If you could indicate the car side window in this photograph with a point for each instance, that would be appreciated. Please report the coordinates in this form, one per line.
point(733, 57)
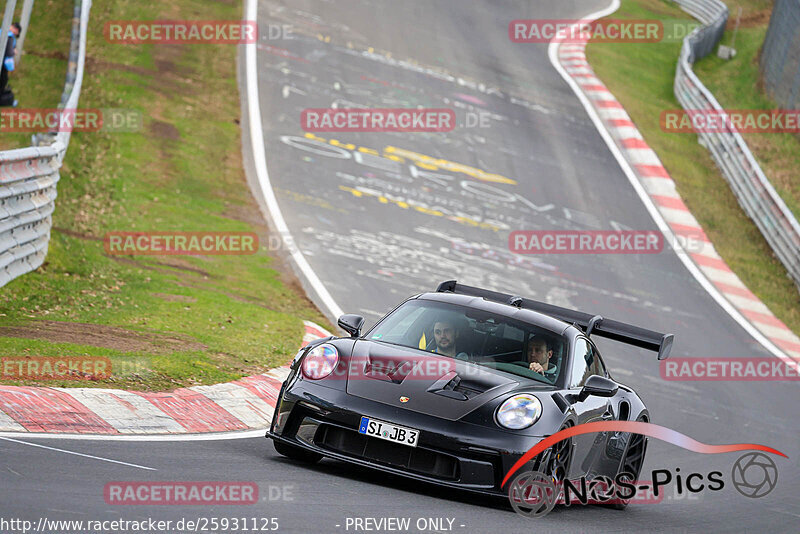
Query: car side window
point(597, 367)
point(582, 359)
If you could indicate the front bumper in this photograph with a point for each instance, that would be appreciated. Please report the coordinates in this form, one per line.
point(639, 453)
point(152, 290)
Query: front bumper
point(454, 454)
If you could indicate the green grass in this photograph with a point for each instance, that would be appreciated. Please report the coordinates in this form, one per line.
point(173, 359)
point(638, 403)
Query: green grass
point(201, 319)
point(641, 76)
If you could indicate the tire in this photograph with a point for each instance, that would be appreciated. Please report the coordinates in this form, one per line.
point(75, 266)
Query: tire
point(559, 458)
point(637, 445)
point(554, 466)
point(296, 453)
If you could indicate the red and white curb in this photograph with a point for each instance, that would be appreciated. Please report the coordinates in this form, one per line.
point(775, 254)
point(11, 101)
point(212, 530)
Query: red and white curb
point(244, 404)
point(660, 187)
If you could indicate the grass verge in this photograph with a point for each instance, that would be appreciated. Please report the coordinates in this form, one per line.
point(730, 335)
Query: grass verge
point(641, 76)
point(164, 321)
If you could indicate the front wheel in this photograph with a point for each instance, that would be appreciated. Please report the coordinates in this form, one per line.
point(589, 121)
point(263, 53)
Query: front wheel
point(296, 453)
point(557, 462)
point(632, 461)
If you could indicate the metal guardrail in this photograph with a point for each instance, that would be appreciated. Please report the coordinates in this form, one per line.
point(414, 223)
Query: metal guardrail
point(28, 176)
point(730, 152)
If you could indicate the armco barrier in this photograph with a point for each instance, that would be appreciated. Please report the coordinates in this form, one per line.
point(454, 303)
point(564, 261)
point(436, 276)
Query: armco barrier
point(729, 150)
point(28, 176)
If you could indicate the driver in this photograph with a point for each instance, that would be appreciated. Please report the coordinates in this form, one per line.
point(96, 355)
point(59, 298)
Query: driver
point(539, 355)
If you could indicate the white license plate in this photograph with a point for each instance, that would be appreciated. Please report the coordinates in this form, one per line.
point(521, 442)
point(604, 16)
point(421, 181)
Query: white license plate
point(388, 431)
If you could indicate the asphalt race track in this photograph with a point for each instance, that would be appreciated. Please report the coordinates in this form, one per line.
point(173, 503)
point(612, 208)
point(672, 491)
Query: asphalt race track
point(349, 215)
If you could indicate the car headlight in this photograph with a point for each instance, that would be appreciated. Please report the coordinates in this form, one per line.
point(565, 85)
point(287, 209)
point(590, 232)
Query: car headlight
point(518, 412)
point(320, 361)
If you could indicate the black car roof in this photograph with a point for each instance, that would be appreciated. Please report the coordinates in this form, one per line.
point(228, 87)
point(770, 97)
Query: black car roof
point(504, 310)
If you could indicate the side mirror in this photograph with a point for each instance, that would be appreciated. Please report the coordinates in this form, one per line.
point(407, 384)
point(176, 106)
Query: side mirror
point(351, 324)
point(599, 387)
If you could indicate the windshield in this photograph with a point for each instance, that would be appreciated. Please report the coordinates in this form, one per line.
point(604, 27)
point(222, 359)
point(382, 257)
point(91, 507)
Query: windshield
point(476, 336)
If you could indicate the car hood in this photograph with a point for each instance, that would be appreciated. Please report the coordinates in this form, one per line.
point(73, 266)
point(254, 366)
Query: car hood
point(422, 382)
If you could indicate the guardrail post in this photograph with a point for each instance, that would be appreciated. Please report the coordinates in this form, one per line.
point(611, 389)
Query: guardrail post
point(24, 20)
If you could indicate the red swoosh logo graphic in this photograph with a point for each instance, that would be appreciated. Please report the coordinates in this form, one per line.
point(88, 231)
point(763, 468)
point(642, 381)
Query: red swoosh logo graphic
point(635, 427)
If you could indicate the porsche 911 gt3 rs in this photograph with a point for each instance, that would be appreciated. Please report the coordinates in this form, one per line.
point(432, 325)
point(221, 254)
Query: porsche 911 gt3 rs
point(453, 387)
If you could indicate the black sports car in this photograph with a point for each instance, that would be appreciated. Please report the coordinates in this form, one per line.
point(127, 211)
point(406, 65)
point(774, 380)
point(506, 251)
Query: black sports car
point(453, 387)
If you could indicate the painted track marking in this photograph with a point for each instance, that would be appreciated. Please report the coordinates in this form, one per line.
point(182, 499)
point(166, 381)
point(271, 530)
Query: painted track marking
point(80, 454)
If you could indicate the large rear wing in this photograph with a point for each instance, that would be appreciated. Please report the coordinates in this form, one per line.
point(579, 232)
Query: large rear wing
point(590, 324)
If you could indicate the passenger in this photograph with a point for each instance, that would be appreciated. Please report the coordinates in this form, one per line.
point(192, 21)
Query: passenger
point(446, 335)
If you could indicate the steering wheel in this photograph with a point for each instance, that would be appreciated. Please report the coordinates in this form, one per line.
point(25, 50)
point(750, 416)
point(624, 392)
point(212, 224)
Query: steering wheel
point(550, 369)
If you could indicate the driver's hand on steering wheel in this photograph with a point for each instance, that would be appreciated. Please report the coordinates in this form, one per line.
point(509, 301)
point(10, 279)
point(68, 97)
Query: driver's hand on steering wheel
point(537, 367)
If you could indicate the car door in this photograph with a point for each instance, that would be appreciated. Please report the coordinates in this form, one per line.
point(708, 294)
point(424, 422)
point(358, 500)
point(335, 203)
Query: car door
point(589, 450)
